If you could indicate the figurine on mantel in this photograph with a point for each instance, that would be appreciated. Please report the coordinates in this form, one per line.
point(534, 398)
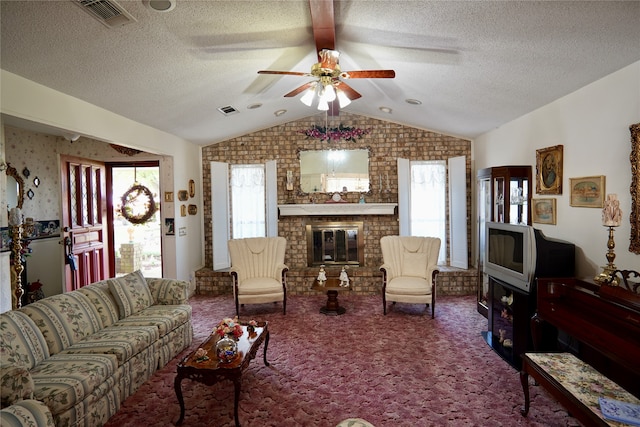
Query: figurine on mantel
point(344, 278)
point(322, 276)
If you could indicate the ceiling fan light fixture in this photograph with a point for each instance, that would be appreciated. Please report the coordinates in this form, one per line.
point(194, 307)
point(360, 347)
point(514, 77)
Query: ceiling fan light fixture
point(343, 99)
point(307, 98)
point(328, 93)
point(323, 105)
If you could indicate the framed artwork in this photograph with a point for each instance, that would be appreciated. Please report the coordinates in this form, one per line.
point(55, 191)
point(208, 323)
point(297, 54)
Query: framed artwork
point(183, 210)
point(634, 189)
point(544, 211)
point(192, 209)
point(183, 196)
point(168, 196)
point(587, 192)
point(549, 170)
point(192, 188)
point(169, 229)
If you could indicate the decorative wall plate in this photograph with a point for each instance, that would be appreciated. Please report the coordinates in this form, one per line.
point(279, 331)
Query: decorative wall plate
point(26, 172)
point(183, 195)
point(193, 209)
point(192, 188)
point(36, 182)
point(30, 194)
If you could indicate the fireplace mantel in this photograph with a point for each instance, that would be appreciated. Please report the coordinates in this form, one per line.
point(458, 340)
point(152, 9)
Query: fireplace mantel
point(338, 209)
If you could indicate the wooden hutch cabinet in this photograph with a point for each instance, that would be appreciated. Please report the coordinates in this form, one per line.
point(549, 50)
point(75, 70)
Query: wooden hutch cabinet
point(504, 195)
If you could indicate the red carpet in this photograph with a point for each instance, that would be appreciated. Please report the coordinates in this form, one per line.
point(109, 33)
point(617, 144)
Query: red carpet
point(403, 369)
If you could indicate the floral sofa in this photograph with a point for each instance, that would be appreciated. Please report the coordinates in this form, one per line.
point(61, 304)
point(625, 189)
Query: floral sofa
point(82, 353)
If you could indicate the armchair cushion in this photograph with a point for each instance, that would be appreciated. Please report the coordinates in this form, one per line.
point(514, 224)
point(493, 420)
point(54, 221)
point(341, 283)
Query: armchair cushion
point(131, 293)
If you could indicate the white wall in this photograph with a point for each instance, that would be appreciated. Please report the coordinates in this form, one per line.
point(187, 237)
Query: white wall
point(592, 124)
point(27, 100)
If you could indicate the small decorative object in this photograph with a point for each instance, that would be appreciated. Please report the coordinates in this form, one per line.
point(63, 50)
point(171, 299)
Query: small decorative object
point(544, 211)
point(325, 133)
point(192, 188)
point(587, 192)
point(26, 172)
point(611, 217)
point(229, 326)
point(192, 209)
point(361, 200)
point(251, 327)
point(125, 150)
point(183, 196)
point(226, 349)
point(344, 278)
point(201, 355)
point(30, 194)
point(36, 182)
point(289, 180)
point(322, 276)
point(168, 196)
point(549, 170)
point(138, 204)
point(169, 227)
point(183, 210)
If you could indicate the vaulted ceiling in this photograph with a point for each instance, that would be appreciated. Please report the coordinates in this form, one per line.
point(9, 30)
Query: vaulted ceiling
point(471, 65)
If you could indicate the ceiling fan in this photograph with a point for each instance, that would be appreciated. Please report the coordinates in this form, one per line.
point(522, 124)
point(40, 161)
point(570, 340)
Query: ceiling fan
point(328, 86)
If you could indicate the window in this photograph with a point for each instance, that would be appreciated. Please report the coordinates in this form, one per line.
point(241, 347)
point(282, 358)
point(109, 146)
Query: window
point(248, 201)
point(428, 198)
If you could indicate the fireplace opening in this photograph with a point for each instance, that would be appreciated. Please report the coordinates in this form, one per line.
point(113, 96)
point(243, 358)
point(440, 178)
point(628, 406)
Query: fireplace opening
point(335, 243)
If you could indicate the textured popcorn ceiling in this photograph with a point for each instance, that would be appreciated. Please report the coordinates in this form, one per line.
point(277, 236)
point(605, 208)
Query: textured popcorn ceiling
point(474, 65)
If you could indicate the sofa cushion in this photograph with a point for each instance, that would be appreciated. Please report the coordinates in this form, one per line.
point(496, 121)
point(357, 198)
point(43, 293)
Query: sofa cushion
point(21, 342)
point(165, 317)
point(64, 380)
point(15, 384)
point(123, 342)
point(64, 319)
point(27, 413)
point(131, 292)
point(169, 291)
point(103, 300)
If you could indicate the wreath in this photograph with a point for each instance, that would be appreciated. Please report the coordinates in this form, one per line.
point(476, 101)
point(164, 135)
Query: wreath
point(132, 200)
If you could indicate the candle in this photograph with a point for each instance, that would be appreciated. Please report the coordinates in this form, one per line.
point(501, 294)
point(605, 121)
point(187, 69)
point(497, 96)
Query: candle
point(15, 217)
point(611, 214)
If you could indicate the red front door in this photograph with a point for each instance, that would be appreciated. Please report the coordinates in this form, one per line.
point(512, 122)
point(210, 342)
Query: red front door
point(84, 214)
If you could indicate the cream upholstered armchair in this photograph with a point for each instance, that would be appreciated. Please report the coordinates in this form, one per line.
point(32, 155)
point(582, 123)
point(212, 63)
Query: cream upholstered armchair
point(258, 270)
point(409, 270)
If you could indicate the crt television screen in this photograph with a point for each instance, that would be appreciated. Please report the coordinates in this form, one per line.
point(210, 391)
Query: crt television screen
point(506, 249)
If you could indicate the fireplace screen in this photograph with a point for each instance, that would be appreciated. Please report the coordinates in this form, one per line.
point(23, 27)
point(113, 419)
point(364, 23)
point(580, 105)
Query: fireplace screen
point(333, 243)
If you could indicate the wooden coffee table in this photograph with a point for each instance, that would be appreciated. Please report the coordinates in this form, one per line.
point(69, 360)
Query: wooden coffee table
point(331, 286)
point(211, 371)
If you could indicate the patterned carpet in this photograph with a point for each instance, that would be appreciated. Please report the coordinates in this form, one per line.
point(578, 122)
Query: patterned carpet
point(403, 369)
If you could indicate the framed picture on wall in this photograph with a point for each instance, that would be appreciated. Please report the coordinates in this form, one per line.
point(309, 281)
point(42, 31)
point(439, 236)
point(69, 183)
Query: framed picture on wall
point(549, 170)
point(544, 211)
point(587, 192)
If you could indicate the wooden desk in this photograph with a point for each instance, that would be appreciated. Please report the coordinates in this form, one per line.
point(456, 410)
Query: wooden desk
point(211, 371)
point(332, 287)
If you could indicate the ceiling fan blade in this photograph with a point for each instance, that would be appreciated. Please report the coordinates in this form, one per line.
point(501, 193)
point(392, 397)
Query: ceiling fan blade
point(300, 89)
point(288, 73)
point(324, 27)
point(348, 90)
point(368, 74)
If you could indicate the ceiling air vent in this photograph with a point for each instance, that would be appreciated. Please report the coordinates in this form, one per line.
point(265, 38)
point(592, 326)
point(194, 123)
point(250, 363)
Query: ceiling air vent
point(228, 110)
point(107, 12)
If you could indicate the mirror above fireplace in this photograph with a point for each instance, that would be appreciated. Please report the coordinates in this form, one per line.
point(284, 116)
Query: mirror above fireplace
point(330, 171)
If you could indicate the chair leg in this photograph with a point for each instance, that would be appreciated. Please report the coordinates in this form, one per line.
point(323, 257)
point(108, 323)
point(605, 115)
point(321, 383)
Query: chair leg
point(384, 304)
point(237, 307)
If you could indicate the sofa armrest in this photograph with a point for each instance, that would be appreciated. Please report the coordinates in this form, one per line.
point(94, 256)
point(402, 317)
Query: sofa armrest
point(27, 413)
point(169, 291)
point(16, 384)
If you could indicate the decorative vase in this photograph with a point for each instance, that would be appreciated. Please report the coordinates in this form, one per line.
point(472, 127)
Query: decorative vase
point(226, 349)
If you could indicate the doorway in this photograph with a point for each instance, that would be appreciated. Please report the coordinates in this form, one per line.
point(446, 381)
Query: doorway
point(136, 246)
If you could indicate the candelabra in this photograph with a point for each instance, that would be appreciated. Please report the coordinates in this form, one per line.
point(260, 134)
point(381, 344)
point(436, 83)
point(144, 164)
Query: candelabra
point(611, 217)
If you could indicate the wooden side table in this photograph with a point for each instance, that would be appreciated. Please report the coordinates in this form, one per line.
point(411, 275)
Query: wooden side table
point(211, 371)
point(332, 287)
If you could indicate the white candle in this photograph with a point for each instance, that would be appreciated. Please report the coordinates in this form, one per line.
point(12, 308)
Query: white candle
point(15, 217)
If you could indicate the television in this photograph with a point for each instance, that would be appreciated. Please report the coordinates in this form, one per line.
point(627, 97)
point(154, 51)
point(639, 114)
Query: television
point(517, 254)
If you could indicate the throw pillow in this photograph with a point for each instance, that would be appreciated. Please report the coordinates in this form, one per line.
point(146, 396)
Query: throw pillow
point(131, 292)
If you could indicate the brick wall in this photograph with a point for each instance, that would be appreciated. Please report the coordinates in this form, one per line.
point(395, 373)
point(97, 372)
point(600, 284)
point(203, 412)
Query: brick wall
point(386, 141)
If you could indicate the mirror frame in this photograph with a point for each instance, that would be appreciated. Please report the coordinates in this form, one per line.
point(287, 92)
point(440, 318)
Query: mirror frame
point(369, 156)
point(12, 172)
point(634, 217)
